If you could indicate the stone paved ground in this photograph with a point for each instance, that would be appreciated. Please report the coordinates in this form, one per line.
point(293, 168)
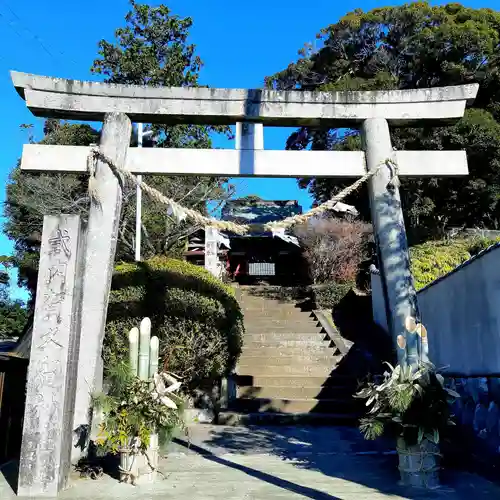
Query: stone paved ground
point(275, 463)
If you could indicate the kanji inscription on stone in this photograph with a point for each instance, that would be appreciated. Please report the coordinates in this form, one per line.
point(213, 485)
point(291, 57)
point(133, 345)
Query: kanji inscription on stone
point(211, 248)
point(50, 390)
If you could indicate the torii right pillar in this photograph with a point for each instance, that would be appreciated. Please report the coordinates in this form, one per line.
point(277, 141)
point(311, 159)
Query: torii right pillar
point(392, 247)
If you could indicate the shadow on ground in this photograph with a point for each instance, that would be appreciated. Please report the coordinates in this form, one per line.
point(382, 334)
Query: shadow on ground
point(337, 452)
point(10, 472)
point(305, 491)
point(334, 451)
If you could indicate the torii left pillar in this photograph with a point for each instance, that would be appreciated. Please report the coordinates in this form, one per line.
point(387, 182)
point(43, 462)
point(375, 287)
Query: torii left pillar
point(102, 234)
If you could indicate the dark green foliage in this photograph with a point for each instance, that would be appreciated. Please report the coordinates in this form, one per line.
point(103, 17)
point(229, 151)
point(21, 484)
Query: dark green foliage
point(31, 196)
point(251, 199)
point(328, 295)
point(13, 318)
point(472, 201)
point(195, 316)
point(153, 49)
point(414, 45)
point(479, 244)
point(13, 313)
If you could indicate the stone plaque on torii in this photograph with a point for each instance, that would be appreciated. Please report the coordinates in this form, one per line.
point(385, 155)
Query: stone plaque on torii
point(117, 105)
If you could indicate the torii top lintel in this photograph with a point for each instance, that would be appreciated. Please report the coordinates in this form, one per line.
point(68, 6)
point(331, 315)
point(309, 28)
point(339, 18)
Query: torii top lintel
point(80, 100)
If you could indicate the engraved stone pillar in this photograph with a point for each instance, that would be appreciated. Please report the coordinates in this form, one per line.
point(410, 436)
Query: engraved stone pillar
point(211, 251)
point(102, 235)
point(392, 247)
point(50, 393)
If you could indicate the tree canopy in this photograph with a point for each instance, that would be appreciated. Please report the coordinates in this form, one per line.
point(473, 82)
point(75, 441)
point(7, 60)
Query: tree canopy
point(31, 196)
point(13, 314)
point(415, 45)
point(151, 49)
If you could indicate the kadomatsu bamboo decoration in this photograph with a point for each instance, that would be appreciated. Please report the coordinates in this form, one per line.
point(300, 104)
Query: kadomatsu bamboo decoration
point(141, 409)
point(414, 407)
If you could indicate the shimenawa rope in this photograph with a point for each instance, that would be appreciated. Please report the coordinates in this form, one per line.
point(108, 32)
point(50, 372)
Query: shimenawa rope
point(181, 212)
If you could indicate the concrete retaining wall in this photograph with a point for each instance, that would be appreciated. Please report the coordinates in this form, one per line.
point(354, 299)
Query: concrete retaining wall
point(477, 415)
point(461, 311)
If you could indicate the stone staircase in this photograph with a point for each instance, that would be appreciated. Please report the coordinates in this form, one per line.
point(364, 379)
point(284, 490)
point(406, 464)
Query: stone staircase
point(288, 368)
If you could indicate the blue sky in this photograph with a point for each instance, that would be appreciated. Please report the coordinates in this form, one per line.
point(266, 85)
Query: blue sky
point(239, 42)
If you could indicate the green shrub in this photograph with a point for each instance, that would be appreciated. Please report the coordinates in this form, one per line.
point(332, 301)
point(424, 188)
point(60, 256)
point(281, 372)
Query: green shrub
point(327, 296)
point(433, 259)
point(480, 244)
point(195, 316)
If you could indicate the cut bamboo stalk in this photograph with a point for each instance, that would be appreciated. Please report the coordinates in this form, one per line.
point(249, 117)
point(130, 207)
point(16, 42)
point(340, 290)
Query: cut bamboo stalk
point(154, 348)
point(144, 339)
point(133, 339)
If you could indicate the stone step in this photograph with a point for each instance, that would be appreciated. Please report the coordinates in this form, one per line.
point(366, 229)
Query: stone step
point(263, 317)
point(277, 318)
point(268, 307)
point(290, 392)
point(279, 328)
point(301, 345)
point(276, 309)
point(319, 336)
point(302, 319)
point(307, 347)
point(258, 320)
point(271, 306)
point(256, 329)
point(300, 380)
point(267, 370)
point(295, 405)
point(244, 297)
point(251, 329)
point(329, 360)
point(279, 352)
point(274, 418)
point(266, 337)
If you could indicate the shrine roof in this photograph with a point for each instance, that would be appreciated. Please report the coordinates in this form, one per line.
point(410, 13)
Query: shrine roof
point(243, 211)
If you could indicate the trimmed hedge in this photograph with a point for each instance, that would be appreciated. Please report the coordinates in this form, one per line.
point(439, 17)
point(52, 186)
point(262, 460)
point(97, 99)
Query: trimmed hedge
point(196, 317)
point(479, 244)
point(433, 259)
point(327, 296)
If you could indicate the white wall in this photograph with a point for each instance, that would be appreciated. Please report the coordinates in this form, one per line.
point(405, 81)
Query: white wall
point(462, 314)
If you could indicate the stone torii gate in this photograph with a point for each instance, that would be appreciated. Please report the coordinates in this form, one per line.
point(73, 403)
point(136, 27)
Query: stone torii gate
point(117, 105)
